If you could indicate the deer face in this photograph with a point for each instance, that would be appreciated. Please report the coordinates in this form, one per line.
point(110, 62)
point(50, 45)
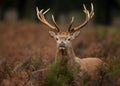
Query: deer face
point(63, 39)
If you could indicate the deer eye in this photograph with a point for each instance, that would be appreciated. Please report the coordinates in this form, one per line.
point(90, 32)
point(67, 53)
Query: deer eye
point(56, 38)
point(69, 39)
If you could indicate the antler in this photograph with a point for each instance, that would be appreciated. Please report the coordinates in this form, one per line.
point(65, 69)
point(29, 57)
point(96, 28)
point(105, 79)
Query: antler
point(89, 15)
point(71, 23)
point(41, 17)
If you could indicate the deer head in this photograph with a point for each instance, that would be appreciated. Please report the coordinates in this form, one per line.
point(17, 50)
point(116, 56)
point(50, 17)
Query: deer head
point(63, 38)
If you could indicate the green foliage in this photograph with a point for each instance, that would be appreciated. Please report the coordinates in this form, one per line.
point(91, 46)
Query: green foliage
point(115, 67)
point(58, 75)
point(30, 63)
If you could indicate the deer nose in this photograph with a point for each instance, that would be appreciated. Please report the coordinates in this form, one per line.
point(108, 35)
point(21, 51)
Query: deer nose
point(62, 44)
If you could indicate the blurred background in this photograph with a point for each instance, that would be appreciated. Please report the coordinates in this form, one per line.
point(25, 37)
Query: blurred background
point(22, 35)
point(106, 11)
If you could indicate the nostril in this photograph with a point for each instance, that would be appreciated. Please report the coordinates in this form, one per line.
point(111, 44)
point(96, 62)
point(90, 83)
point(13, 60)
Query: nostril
point(62, 44)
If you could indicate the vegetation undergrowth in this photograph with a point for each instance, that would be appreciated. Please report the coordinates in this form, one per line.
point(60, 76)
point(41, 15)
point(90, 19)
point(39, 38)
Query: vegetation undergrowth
point(58, 75)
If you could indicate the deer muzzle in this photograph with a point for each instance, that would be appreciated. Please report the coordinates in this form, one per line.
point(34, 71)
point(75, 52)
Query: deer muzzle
point(62, 45)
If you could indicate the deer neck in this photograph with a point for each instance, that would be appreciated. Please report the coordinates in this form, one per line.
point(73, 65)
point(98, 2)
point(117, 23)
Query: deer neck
point(65, 54)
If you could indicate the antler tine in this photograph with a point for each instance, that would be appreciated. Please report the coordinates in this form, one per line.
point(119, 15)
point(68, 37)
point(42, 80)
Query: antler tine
point(46, 11)
point(88, 14)
point(41, 17)
point(71, 23)
point(92, 10)
point(53, 19)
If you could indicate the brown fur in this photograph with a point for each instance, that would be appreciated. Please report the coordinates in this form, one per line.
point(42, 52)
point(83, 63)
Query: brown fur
point(88, 65)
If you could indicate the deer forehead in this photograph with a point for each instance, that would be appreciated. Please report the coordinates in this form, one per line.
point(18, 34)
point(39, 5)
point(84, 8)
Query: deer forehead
point(63, 34)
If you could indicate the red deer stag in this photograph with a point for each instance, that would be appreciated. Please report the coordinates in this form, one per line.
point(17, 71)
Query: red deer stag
point(63, 39)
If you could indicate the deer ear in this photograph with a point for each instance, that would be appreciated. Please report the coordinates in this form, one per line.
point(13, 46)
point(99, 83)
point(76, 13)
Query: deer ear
point(75, 34)
point(52, 33)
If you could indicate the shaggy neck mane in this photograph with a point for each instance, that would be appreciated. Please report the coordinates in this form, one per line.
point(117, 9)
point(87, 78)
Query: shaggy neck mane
point(64, 55)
